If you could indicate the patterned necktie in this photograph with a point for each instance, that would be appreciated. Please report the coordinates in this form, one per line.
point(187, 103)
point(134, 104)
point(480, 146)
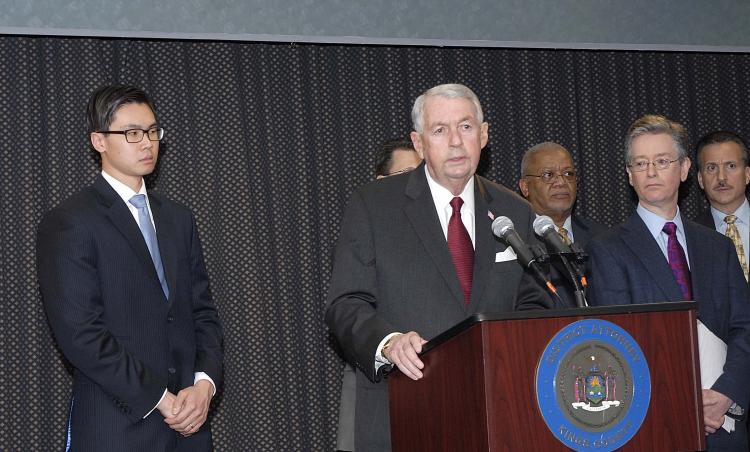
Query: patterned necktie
point(564, 236)
point(461, 249)
point(149, 235)
point(677, 261)
point(734, 234)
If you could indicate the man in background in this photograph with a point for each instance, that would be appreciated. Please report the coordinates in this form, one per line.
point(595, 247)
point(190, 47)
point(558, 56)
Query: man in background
point(126, 293)
point(657, 256)
point(394, 157)
point(723, 174)
point(549, 181)
point(416, 255)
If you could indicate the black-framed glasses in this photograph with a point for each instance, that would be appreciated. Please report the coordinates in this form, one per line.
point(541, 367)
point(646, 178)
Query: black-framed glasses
point(661, 163)
point(402, 170)
point(549, 177)
point(136, 135)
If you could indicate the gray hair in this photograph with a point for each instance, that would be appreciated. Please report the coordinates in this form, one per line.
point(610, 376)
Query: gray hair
point(536, 148)
point(449, 91)
point(653, 125)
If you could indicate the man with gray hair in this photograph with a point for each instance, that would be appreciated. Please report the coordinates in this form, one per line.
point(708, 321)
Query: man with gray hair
point(657, 255)
point(417, 255)
point(549, 182)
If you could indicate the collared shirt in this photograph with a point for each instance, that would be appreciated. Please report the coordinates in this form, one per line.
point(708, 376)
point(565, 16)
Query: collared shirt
point(742, 222)
point(655, 224)
point(442, 198)
point(126, 193)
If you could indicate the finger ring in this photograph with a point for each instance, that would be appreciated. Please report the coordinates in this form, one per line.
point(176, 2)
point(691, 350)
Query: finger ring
point(190, 427)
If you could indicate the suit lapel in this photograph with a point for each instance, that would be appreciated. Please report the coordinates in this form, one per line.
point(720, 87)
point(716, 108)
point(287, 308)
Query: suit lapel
point(119, 214)
point(699, 268)
point(638, 238)
point(484, 248)
point(423, 217)
point(165, 234)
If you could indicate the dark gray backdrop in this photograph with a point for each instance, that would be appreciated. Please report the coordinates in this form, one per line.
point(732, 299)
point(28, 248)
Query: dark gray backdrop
point(266, 142)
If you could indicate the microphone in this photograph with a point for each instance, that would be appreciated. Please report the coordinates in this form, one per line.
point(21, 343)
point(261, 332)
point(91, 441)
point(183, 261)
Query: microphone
point(502, 227)
point(544, 227)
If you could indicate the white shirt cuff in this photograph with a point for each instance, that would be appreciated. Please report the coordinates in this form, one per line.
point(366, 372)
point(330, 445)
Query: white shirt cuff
point(204, 376)
point(381, 360)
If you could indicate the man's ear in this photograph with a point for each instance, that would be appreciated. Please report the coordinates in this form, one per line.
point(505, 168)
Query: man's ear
point(416, 140)
point(98, 142)
point(523, 185)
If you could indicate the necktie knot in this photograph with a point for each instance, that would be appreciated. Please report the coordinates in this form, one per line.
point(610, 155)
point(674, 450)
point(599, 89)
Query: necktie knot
point(564, 236)
point(730, 219)
point(139, 201)
point(456, 204)
point(670, 228)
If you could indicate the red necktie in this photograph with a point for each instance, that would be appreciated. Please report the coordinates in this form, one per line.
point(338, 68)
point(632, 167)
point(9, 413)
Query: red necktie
point(677, 261)
point(461, 249)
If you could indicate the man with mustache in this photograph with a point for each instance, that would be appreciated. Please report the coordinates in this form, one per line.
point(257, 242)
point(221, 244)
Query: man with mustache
point(549, 181)
point(723, 174)
point(658, 255)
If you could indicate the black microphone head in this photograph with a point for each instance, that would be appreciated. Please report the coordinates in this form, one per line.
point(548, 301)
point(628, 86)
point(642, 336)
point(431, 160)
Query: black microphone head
point(501, 226)
point(542, 224)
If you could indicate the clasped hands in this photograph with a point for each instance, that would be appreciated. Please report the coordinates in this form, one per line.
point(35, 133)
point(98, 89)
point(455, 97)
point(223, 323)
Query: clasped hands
point(187, 411)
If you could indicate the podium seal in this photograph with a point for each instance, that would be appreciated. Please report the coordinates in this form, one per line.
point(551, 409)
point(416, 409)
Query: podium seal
point(593, 386)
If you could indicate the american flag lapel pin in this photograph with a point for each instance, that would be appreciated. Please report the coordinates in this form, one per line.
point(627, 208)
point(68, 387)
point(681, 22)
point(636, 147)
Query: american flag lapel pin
point(489, 214)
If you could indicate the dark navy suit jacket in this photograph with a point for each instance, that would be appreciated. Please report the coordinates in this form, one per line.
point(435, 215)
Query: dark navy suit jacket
point(125, 340)
point(628, 267)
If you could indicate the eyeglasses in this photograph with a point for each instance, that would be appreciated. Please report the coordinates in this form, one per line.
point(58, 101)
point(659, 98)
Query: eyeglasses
point(661, 163)
point(136, 135)
point(403, 170)
point(549, 177)
point(729, 167)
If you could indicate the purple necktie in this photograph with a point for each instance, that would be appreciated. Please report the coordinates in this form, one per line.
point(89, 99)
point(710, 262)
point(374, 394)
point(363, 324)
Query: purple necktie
point(461, 249)
point(677, 261)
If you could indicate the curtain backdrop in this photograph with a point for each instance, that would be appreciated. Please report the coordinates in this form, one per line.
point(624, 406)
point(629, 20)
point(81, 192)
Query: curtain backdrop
point(266, 142)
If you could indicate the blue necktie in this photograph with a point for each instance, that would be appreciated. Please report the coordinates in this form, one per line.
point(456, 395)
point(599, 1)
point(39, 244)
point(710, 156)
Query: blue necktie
point(149, 234)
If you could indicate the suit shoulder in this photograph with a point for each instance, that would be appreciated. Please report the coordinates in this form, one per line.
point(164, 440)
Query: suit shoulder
point(592, 226)
point(501, 193)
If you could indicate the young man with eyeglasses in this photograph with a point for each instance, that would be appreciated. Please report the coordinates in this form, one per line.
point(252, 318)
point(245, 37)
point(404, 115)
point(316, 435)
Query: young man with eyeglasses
point(549, 182)
point(126, 293)
point(657, 255)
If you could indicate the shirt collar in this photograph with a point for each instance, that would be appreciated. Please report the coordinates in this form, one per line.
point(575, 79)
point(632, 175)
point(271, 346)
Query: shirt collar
point(442, 196)
point(655, 223)
point(742, 213)
point(123, 190)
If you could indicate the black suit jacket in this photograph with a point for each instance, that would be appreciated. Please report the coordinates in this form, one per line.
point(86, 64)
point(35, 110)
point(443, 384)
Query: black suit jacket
point(583, 231)
point(393, 272)
point(628, 267)
point(126, 341)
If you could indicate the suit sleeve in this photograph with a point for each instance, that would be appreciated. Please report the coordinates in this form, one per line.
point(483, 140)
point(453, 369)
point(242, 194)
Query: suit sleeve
point(208, 329)
point(351, 311)
point(733, 381)
point(69, 283)
point(608, 281)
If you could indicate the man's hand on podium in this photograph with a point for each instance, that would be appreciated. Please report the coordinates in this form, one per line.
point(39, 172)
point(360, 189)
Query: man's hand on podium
point(403, 351)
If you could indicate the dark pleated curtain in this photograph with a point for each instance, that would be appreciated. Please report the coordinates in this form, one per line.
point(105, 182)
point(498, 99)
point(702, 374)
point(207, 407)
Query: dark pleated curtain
point(265, 142)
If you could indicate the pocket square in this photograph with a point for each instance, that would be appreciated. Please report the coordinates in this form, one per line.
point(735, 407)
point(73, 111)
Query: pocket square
point(507, 255)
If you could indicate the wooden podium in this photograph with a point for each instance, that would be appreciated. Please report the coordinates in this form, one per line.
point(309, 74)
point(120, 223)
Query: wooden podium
point(479, 391)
